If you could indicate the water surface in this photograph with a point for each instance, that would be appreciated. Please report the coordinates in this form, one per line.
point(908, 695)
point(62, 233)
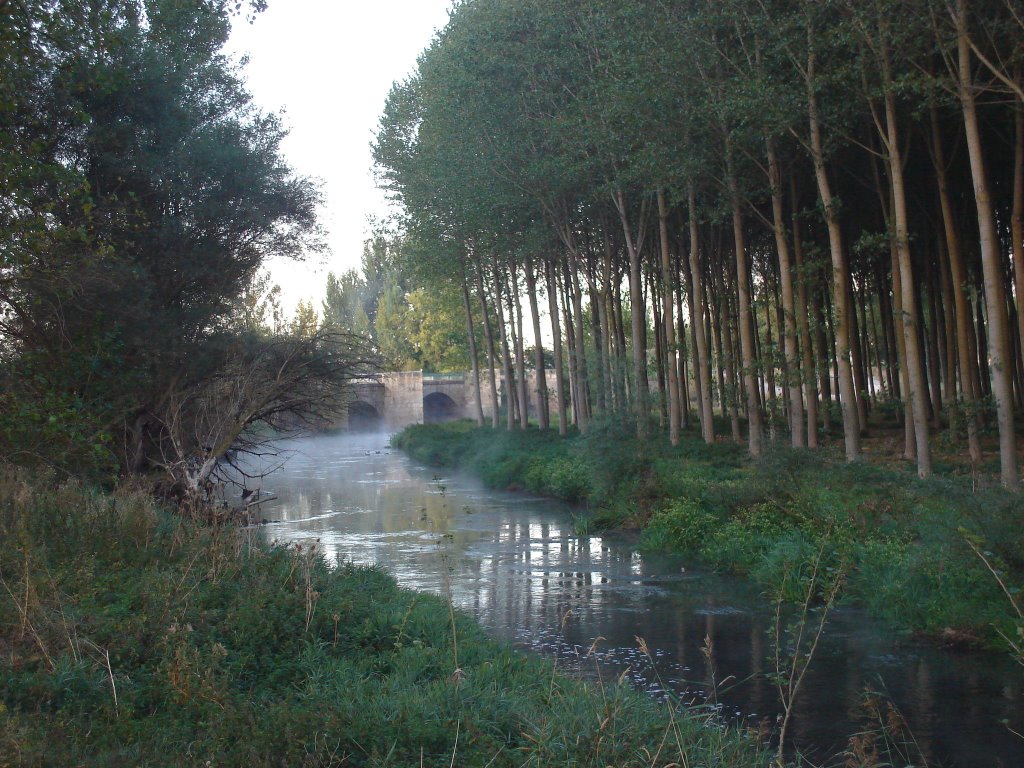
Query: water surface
point(515, 563)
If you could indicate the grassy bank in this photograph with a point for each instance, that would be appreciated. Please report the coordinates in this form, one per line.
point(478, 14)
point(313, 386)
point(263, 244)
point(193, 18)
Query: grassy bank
point(908, 549)
point(129, 636)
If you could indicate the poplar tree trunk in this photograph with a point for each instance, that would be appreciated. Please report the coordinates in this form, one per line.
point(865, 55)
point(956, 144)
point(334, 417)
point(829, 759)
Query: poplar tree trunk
point(579, 417)
point(715, 321)
point(990, 261)
point(478, 406)
point(791, 371)
point(809, 379)
point(961, 305)
point(766, 378)
point(780, 368)
point(755, 429)
point(620, 342)
point(821, 354)
point(984, 382)
point(697, 313)
point(517, 338)
point(949, 320)
point(917, 391)
point(600, 332)
point(840, 273)
point(556, 343)
point(489, 337)
point(856, 357)
point(638, 316)
point(899, 320)
point(885, 312)
point(1017, 222)
point(604, 307)
point(886, 198)
point(879, 345)
point(583, 393)
point(506, 357)
point(682, 357)
point(933, 357)
point(674, 418)
point(653, 300)
point(543, 417)
point(865, 341)
point(729, 352)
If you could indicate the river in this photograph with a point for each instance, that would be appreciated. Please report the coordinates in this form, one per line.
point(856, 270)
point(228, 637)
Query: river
point(515, 563)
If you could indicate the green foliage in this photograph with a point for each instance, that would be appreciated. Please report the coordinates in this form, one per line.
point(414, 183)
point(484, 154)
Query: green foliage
point(133, 638)
point(306, 320)
point(564, 478)
point(49, 415)
point(416, 322)
point(939, 589)
point(744, 540)
point(438, 330)
point(683, 525)
point(532, 460)
point(437, 445)
point(143, 192)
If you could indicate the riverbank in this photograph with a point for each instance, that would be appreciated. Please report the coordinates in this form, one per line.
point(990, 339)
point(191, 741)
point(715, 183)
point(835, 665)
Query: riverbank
point(931, 557)
point(133, 637)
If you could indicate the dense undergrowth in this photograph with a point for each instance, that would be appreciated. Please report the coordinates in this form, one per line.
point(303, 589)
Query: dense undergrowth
point(129, 636)
point(908, 550)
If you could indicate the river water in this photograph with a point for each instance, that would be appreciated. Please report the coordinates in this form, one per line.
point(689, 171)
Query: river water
point(515, 563)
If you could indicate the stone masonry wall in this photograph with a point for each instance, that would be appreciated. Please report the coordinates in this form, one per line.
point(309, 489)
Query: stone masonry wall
point(403, 398)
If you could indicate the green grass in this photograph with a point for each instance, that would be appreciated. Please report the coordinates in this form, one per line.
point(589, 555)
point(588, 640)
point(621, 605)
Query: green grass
point(131, 637)
point(902, 542)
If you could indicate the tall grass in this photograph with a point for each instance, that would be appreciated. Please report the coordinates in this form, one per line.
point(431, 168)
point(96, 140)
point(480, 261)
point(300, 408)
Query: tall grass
point(130, 636)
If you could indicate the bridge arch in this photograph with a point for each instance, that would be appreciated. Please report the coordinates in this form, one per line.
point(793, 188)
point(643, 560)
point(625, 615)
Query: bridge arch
point(439, 407)
point(364, 417)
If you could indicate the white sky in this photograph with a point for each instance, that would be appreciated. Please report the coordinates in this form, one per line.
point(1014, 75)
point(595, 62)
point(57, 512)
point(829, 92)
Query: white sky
point(329, 64)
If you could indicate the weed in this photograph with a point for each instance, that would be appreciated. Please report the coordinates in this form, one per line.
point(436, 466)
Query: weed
point(805, 573)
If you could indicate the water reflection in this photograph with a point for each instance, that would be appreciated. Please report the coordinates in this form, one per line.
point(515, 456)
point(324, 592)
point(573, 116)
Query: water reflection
point(516, 564)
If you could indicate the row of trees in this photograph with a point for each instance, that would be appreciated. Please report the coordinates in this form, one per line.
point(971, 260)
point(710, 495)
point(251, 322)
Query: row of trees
point(140, 193)
point(411, 325)
point(806, 204)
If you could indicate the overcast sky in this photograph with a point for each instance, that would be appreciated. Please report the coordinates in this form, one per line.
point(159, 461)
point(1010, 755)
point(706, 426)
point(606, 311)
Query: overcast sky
point(329, 64)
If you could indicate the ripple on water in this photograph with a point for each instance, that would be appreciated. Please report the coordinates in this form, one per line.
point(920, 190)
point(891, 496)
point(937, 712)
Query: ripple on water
point(302, 520)
point(720, 610)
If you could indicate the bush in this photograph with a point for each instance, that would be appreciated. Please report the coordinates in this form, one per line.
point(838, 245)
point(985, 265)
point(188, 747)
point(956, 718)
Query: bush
point(682, 525)
point(742, 541)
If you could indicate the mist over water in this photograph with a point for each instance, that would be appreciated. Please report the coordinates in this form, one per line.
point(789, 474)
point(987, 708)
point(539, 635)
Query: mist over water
point(515, 563)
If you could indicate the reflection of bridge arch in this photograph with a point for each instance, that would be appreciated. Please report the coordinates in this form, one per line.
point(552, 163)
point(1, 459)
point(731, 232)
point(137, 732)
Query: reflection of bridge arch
point(363, 417)
point(439, 407)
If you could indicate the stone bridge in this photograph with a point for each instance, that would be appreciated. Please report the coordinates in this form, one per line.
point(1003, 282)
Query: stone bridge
point(398, 399)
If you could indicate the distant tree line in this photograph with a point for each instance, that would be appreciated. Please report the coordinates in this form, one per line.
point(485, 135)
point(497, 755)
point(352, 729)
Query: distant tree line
point(788, 211)
point(410, 321)
point(140, 193)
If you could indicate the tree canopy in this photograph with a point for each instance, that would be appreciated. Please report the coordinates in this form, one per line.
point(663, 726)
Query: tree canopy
point(773, 208)
point(142, 191)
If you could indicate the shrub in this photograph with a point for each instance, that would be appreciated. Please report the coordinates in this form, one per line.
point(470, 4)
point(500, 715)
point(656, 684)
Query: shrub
point(742, 541)
point(681, 525)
